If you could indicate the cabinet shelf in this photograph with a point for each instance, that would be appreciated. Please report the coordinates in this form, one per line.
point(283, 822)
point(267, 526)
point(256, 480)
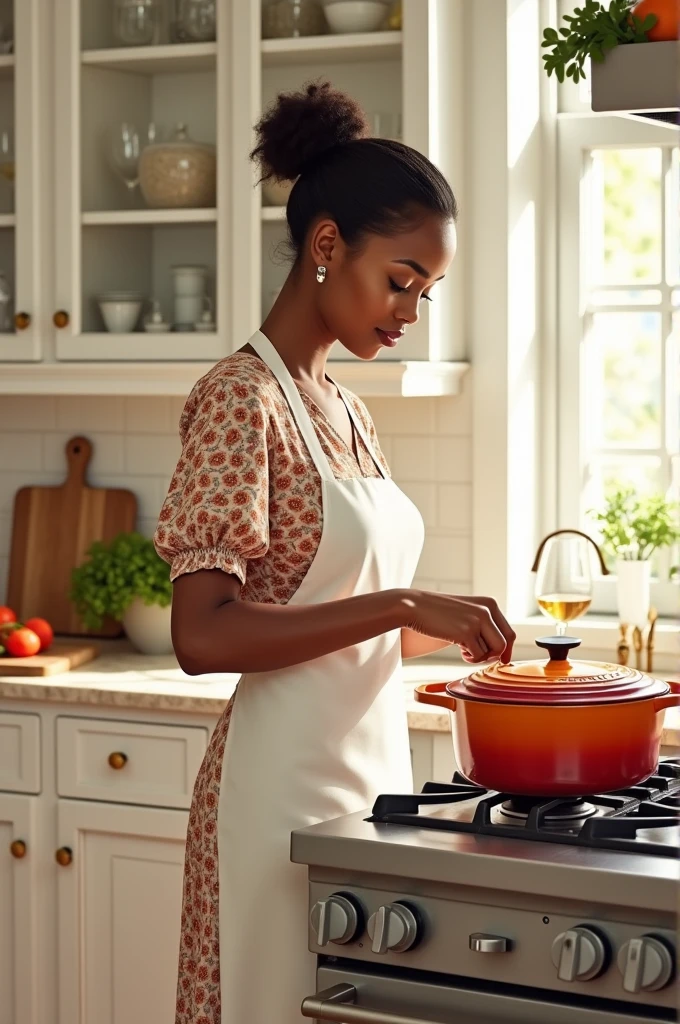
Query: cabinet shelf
point(335, 49)
point(6, 65)
point(155, 60)
point(7, 220)
point(97, 218)
point(274, 213)
point(381, 379)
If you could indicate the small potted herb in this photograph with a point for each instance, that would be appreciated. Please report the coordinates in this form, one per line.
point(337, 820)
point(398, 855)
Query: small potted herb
point(632, 529)
point(592, 31)
point(127, 580)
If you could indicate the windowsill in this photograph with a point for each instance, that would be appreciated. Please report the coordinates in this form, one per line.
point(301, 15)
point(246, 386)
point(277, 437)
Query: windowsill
point(600, 636)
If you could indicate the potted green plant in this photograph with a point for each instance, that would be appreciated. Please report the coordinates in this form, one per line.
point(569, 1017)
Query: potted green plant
point(592, 31)
point(632, 529)
point(127, 580)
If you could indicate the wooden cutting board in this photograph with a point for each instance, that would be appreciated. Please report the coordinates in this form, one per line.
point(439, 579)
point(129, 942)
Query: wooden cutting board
point(61, 657)
point(53, 528)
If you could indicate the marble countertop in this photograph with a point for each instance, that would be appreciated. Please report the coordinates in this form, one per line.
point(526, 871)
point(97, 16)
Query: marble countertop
point(122, 678)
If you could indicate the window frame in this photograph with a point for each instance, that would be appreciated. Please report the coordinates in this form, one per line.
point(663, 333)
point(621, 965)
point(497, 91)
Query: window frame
point(577, 135)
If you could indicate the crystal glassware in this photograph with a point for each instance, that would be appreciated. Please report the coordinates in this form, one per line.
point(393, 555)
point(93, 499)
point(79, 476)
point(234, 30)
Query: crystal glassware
point(136, 22)
point(194, 21)
point(125, 145)
point(564, 586)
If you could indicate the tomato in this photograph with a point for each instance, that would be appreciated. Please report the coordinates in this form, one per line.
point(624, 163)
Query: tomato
point(22, 643)
point(7, 627)
point(43, 631)
point(668, 15)
point(6, 615)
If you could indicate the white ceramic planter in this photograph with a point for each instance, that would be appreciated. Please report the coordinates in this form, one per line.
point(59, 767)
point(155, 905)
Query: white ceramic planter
point(633, 581)
point(148, 627)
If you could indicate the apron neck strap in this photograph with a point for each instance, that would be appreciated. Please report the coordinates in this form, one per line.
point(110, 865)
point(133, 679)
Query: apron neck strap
point(266, 351)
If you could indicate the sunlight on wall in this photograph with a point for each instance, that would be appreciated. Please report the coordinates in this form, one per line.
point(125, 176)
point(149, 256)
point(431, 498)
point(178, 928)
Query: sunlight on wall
point(524, 70)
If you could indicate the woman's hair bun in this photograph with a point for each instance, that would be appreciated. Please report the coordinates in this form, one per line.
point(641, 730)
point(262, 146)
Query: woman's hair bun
point(300, 127)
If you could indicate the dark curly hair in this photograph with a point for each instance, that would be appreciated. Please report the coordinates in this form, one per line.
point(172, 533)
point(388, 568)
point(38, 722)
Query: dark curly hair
point(319, 138)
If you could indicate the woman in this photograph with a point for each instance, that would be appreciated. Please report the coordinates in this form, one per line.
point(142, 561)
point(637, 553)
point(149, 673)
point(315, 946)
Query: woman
point(293, 554)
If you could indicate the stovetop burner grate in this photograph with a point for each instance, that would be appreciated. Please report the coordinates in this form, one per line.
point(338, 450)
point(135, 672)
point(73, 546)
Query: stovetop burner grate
point(618, 817)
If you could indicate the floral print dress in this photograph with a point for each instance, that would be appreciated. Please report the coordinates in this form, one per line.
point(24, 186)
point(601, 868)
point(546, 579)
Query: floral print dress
point(245, 498)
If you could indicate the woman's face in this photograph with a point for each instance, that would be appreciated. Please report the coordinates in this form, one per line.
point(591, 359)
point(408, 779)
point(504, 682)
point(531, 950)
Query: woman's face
point(369, 299)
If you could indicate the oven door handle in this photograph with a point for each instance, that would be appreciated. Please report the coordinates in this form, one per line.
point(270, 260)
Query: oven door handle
point(336, 1004)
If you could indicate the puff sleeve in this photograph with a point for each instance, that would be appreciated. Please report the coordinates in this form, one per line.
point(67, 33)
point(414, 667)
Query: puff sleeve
point(216, 512)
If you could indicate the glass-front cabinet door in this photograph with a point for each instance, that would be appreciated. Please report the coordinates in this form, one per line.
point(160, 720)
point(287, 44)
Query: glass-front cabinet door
point(24, 179)
point(141, 196)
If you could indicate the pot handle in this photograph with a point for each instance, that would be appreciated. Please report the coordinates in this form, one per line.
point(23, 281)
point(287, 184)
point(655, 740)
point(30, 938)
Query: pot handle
point(435, 693)
point(671, 700)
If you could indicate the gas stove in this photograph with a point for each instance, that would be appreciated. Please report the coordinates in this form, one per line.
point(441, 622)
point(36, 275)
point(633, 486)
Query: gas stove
point(642, 819)
point(462, 905)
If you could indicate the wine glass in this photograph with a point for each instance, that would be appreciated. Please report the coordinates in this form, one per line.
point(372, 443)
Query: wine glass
point(564, 585)
point(125, 146)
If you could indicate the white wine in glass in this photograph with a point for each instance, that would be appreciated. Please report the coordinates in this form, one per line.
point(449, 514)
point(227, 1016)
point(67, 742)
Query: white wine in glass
point(564, 588)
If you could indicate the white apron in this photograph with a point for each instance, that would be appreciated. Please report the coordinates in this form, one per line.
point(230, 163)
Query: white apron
point(310, 742)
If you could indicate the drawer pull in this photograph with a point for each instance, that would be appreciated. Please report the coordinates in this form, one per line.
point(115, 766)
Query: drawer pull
point(18, 849)
point(118, 760)
point(22, 321)
point(64, 856)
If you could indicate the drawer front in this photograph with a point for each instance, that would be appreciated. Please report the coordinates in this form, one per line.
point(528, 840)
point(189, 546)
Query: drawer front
point(19, 752)
point(128, 762)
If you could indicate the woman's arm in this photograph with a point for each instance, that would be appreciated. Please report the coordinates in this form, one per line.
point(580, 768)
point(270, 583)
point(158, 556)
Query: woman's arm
point(415, 645)
point(214, 631)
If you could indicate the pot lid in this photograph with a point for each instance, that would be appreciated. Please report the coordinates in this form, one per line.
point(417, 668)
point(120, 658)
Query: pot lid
point(557, 681)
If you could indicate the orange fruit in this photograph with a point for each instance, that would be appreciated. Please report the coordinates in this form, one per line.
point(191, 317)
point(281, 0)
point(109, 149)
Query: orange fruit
point(668, 15)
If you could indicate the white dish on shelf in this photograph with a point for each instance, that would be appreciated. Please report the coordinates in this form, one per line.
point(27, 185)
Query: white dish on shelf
point(347, 16)
point(120, 311)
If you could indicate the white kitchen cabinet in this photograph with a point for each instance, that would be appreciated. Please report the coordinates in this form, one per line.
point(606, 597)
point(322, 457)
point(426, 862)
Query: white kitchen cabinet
point(119, 907)
point(25, 202)
point(18, 951)
point(100, 236)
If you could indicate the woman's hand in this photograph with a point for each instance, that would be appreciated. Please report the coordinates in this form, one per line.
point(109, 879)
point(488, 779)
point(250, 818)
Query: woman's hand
point(475, 624)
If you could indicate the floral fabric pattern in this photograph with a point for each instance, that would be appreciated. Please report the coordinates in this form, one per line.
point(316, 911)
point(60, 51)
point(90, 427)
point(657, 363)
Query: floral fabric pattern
point(245, 498)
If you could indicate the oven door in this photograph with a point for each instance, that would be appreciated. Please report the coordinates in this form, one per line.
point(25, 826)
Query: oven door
point(358, 996)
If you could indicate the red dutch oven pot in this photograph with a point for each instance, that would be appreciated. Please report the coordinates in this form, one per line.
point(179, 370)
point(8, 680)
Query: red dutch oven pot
point(555, 728)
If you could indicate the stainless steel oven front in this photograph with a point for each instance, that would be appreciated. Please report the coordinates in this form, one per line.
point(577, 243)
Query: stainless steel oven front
point(349, 993)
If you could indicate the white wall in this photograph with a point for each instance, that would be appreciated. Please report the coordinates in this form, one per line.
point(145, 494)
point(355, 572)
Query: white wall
point(427, 442)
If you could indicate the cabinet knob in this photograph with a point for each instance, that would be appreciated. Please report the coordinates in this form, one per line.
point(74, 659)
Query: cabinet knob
point(22, 321)
point(64, 856)
point(118, 760)
point(61, 318)
point(18, 849)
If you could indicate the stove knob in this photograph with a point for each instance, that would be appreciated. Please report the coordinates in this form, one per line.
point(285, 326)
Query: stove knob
point(393, 928)
point(579, 954)
point(646, 964)
point(336, 919)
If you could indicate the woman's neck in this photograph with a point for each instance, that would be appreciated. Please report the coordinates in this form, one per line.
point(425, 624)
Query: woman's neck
point(298, 333)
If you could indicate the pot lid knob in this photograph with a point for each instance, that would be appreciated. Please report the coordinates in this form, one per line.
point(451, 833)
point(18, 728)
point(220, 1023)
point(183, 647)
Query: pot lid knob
point(558, 647)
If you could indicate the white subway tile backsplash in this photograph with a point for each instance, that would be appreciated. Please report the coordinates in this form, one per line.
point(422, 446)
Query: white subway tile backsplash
point(413, 458)
point(415, 416)
point(20, 412)
point(107, 453)
point(424, 495)
point(20, 450)
point(453, 415)
point(453, 459)
point(136, 446)
point(150, 415)
point(82, 414)
point(5, 533)
point(156, 453)
point(454, 507)
point(446, 558)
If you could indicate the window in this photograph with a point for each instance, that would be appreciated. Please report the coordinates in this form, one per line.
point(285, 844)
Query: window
point(619, 319)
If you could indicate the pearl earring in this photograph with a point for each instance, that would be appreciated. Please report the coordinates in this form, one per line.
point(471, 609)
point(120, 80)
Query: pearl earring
point(321, 274)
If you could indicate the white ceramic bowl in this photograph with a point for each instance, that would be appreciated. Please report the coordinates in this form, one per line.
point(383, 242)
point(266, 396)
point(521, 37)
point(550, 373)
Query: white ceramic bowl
point(355, 15)
point(120, 315)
